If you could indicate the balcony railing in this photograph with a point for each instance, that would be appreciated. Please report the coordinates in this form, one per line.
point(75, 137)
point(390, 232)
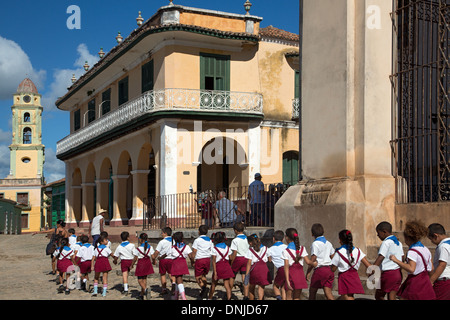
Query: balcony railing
point(295, 108)
point(167, 99)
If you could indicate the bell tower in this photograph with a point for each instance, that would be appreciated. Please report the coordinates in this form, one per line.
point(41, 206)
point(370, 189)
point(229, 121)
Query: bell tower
point(27, 150)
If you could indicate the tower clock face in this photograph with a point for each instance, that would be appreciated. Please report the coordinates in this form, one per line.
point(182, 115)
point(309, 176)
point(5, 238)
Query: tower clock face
point(27, 99)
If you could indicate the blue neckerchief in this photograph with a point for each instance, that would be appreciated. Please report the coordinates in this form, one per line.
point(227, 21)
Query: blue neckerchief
point(180, 245)
point(73, 236)
point(278, 243)
point(102, 246)
point(79, 243)
point(125, 243)
point(205, 238)
point(242, 236)
point(417, 244)
point(291, 246)
point(67, 248)
point(321, 239)
point(345, 246)
point(87, 245)
point(168, 239)
point(221, 245)
point(142, 244)
point(393, 238)
point(447, 241)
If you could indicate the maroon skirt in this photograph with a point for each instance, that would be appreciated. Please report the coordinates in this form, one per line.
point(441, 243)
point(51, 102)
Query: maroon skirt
point(63, 264)
point(143, 267)
point(239, 265)
point(280, 278)
point(322, 277)
point(442, 289)
point(417, 287)
point(297, 277)
point(349, 282)
point(179, 267)
point(85, 267)
point(126, 264)
point(224, 270)
point(202, 266)
point(390, 280)
point(102, 265)
point(260, 274)
point(165, 266)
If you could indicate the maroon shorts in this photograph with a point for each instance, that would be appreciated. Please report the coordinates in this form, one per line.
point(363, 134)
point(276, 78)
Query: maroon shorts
point(390, 280)
point(280, 278)
point(85, 267)
point(125, 265)
point(165, 265)
point(322, 277)
point(349, 282)
point(442, 289)
point(239, 265)
point(202, 266)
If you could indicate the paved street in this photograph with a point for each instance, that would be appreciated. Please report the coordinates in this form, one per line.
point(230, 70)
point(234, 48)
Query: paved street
point(24, 274)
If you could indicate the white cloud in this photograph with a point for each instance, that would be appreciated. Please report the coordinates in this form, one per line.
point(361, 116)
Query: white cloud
point(4, 161)
point(62, 77)
point(54, 169)
point(15, 65)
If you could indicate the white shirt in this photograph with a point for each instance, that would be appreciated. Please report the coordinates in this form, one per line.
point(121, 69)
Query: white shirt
point(125, 250)
point(275, 252)
point(164, 247)
point(342, 264)
point(262, 253)
point(72, 240)
point(102, 251)
point(95, 226)
point(224, 250)
point(240, 245)
point(322, 250)
point(66, 253)
point(388, 248)
point(175, 254)
point(140, 251)
point(442, 253)
point(86, 252)
point(203, 245)
point(411, 255)
point(287, 256)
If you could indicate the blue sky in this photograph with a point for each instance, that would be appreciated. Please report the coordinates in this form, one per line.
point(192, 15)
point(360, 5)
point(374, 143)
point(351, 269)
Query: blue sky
point(35, 42)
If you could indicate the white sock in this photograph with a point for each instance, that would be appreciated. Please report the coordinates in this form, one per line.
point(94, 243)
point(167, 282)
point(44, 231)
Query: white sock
point(181, 288)
point(125, 286)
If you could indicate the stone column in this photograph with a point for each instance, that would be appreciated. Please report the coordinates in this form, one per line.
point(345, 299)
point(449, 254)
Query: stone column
point(119, 203)
point(140, 179)
point(168, 158)
point(346, 122)
point(254, 150)
point(102, 194)
point(87, 206)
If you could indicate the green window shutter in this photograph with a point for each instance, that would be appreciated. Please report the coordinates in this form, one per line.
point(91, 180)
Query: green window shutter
point(147, 76)
point(297, 82)
point(91, 110)
point(77, 120)
point(106, 101)
point(123, 91)
point(214, 72)
point(290, 167)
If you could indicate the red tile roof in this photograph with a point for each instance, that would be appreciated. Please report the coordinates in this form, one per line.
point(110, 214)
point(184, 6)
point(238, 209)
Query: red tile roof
point(272, 32)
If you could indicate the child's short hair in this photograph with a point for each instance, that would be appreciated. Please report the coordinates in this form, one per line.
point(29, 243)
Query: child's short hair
point(317, 230)
point(84, 238)
point(124, 235)
point(104, 233)
point(435, 228)
point(384, 226)
point(203, 229)
point(167, 230)
point(239, 227)
point(71, 230)
point(278, 235)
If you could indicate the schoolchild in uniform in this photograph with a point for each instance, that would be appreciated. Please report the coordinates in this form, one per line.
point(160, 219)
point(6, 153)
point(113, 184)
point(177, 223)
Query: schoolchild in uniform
point(391, 275)
point(239, 248)
point(162, 252)
point(322, 252)
point(101, 264)
point(201, 254)
point(144, 267)
point(441, 276)
point(417, 285)
point(276, 258)
point(347, 261)
point(72, 237)
point(293, 256)
point(85, 255)
point(76, 247)
point(124, 252)
point(64, 259)
point(180, 251)
point(257, 269)
point(105, 234)
point(221, 264)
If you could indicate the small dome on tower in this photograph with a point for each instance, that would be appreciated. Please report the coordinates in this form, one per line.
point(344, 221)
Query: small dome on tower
point(27, 86)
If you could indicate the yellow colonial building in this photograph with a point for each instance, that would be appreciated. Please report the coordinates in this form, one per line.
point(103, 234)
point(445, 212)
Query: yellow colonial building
point(25, 180)
point(193, 100)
